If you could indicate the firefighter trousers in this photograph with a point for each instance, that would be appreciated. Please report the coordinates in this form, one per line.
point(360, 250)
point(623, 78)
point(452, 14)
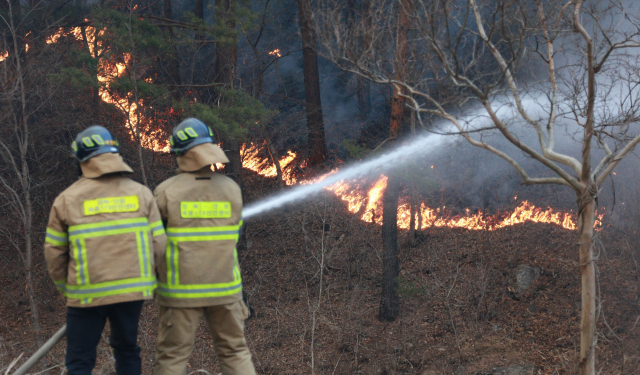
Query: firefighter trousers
point(177, 333)
point(84, 329)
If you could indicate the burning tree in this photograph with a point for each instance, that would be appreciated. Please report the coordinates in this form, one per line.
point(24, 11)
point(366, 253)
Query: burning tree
point(524, 70)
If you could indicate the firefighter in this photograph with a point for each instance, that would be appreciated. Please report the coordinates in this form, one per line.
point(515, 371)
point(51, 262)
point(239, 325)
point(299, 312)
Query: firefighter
point(99, 248)
point(199, 273)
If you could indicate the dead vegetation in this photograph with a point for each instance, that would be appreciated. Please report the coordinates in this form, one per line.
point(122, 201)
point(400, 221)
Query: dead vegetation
point(312, 279)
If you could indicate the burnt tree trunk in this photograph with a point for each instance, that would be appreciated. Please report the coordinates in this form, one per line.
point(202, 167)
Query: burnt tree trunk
point(226, 62)
point(313, 106)
point(389, 304)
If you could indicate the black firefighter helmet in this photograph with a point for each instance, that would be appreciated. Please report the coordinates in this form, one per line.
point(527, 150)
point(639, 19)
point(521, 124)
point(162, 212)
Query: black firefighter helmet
point(188, 134)
point(93, 141)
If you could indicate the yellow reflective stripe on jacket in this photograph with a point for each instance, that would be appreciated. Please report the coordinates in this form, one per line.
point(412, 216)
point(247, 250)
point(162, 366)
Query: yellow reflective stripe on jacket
point(173, 271)
point(110, 288)
point(56, 238)
point(200, 290)
point(157, 228)
point(142, 243)
point(108, 228)
point(204, 233)
point(79, 252)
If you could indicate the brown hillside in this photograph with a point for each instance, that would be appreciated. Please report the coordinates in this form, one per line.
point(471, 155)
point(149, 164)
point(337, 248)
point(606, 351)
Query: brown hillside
point(460, 312)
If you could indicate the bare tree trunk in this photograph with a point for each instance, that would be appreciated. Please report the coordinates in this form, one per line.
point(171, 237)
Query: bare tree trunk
point(275, 157)
point(313, 105)
point(364, 98)
point(31, 293)
point(23, 174)
point(226, 62)
point(413, 194)
point(588, 337)
point(390, 261)
point(363, 88)
point(389, 304)
point(415, 212)
point(397, 101)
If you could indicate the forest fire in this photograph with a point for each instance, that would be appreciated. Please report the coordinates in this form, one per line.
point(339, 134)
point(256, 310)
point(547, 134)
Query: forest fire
point(108, 71)
point(363, 201)
point(367, 202)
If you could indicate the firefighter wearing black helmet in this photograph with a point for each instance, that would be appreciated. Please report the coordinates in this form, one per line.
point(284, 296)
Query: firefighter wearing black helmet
point(199, 275)
point(99, 247)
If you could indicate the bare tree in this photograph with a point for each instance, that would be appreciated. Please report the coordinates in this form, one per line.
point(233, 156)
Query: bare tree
point(225, 74)
point(389, 304)
point(17, 184)
point(527, 71)
point(313, 106)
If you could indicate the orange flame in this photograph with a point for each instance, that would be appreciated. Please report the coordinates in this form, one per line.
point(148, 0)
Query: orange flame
point(275, 52)
point(108, 72)
point(4, 56)
point(252, 160)
point(368, 202)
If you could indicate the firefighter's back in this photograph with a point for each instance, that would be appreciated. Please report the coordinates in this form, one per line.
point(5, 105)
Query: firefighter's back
point(109, 236)
point(203, 212)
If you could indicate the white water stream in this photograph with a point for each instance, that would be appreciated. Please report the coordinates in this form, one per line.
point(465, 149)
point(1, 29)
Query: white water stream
point(418, 147)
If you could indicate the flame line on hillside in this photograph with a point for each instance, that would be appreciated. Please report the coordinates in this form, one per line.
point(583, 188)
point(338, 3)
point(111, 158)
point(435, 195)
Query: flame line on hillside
point(420, 146)
point(367, 203)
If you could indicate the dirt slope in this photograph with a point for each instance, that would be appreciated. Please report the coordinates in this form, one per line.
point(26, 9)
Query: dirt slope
point(459, 309)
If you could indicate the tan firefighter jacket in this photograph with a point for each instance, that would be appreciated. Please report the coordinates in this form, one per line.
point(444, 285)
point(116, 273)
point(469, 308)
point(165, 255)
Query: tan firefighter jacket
point(101, 236)
point(202, 211)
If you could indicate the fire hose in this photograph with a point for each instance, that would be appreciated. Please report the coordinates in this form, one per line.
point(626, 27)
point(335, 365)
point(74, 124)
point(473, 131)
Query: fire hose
point(44, 349)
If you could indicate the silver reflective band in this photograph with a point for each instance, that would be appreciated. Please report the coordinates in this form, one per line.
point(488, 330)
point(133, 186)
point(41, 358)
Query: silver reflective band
point(144, 253)
point(56, 238)
point(82, 264)
point(110, 288)
point(173, 264)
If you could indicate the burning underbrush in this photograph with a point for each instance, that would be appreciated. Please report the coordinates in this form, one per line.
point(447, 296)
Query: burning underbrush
point(363, 198)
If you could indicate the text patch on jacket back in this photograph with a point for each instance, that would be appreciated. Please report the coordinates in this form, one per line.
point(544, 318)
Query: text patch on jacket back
point(205, 210)
point(111, 204)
